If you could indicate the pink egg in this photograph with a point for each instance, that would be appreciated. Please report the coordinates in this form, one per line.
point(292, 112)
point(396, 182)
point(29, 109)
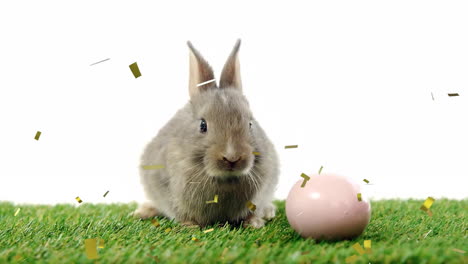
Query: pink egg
point(327, 208)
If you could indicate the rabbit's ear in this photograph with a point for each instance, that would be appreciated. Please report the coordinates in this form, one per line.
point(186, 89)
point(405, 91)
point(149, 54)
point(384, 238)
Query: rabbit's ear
point(200, 72)
point(230, 76)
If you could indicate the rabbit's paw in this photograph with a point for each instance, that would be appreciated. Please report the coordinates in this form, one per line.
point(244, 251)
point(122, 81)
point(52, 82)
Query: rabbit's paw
point(145, 211)
point(254, 221)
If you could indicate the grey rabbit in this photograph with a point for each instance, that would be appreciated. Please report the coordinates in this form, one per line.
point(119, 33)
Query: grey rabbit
point(212, 146)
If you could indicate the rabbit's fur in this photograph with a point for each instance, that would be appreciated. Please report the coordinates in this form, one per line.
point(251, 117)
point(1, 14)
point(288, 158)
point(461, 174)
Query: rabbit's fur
point(196, 162)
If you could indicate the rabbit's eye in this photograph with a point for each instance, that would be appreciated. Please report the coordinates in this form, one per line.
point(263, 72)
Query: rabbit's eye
point(203, 126)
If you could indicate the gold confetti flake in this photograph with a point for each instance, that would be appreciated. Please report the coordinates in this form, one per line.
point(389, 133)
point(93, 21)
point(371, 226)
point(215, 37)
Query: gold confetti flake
point(351, 259)
point(320, 169)
point(78, 199)
point(208, 230)
point(155, 222)
point(256, 153)
point(106, 193)
point(100, 62)
point(38, 134)
point(306, 179)
point(101, 243)
point(367, 246)
point(453, 94)
point(251, 206)
point(135, 70)
point(458, 250)
point(427, 204)
point(17, 211)
point(359, 249)
point(195, 239)
point(91, 249)
point(366, 181)
point(152, 167)
point(215, 200)
point(359, 197)
point(290, 146)
point(203, 83)
point(168, 230)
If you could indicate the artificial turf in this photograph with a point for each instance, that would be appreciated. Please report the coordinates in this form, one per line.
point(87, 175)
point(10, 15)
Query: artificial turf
point(399, 230)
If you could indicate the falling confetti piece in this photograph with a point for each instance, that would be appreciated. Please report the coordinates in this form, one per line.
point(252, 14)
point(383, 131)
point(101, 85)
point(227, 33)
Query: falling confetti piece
point(135, 70)
point(359, 249)
point(101, 243)
point(155, 222)
point(251, 206)
point(290, 146)
point(168, 230)
point(152, 167)
point(195, 239)
point(320, 169)
point(453, 94)
point(256, 153)
point(351, 259)
point(458, 250)
point(367, 246)
point(203, 83)
point(38, 134)
point(208, 230)
point(366, 181)
point(17, 211)
point(91, 249)
point(306, 179)
point(359, 197)
point(78, 199)
point(106, 193)
point(100, 62)
point(215, 200)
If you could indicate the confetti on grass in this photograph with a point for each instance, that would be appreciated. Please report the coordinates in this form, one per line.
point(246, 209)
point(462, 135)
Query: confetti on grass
point(135, 70)
point(427, 204)
point(203, 83)
point(458, 250)
point(38, 134)
point(168, 230)
point(320, 169)
point(101, 243)
point(208, 230)
point(351, 259)
point(256, 153)
point(367, 246)
point(215, 200)
point(306, 179)
point(155, 222)
point(152, 167)
point(359, 249)
point(359, 197)
point(78, 199)
point(366, 181)
point(17, 211)
point(100, 62)
point(106, 193)
point(91, 249)
point(453, 94)
point(290, 146)
point(195, 239)
point(251, 206)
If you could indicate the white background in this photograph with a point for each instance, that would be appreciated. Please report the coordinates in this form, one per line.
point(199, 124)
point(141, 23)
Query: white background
point(350, 82)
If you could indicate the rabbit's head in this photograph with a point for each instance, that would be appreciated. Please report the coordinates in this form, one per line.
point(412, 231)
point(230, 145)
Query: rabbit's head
point(222, 125)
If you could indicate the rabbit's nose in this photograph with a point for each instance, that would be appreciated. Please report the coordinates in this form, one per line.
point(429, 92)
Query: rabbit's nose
point(231, 161)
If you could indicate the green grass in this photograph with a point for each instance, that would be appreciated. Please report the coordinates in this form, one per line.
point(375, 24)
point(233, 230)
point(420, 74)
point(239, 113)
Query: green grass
point(56, 234)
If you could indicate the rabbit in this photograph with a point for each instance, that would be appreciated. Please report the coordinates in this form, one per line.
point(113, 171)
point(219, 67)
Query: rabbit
point(207, 150)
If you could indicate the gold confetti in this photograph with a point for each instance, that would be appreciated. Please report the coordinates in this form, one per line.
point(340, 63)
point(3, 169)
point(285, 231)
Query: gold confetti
point(320, 169)
point(17, 211)
point(256, 153)
point(306, 178)
point(203, 83)
point(359, 249)
point(135, 70)
point(91, 249)
point(168, 230)
point(100, 62)
point(78, 199)
point(101, 243)
point(152, 167)
point(38, 134)
point(427, 204)
point(208, 230)
point(359, 197)
point(453, 94)
point(367, 246)
point(290, 146)
point(351, 259)
point(215, 200)
point(458, 250)
point(155, 222)
point(251, 206)
point(106, 193)
point(366, 181)
point(195, 239)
